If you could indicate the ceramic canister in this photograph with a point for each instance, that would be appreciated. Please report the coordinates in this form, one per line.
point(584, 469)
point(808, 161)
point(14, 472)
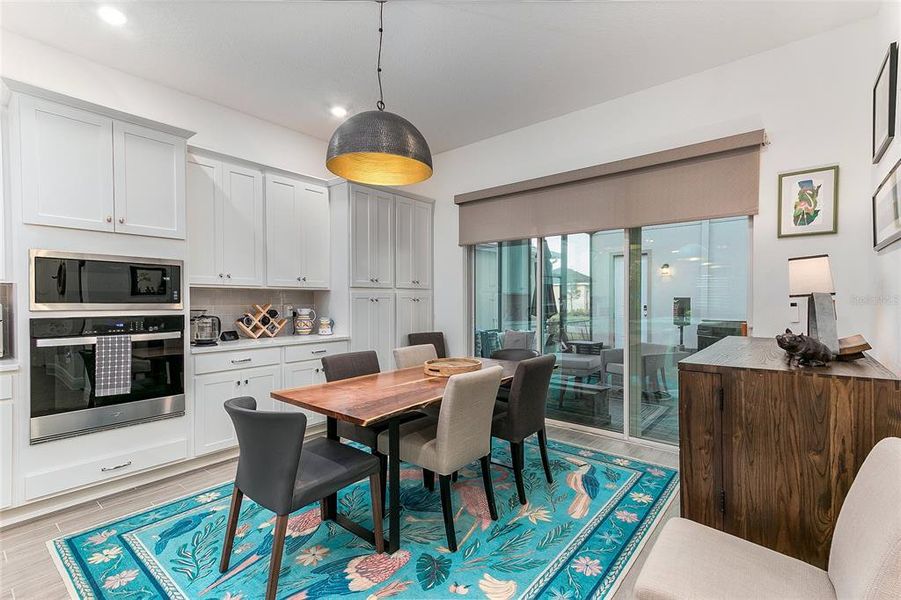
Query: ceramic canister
point(326, 326)
point(304, 321)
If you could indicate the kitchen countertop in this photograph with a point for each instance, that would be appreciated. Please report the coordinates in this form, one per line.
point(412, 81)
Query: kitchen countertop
point(278, 341)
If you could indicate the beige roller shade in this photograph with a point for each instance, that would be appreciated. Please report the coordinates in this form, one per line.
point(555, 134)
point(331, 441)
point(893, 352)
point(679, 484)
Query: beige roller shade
point(714, 179)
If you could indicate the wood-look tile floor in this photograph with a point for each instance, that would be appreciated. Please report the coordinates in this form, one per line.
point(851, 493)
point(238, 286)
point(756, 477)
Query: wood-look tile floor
point(27, 572)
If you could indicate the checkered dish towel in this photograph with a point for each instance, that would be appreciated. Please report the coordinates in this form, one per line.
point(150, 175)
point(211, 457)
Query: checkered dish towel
point(113, 370)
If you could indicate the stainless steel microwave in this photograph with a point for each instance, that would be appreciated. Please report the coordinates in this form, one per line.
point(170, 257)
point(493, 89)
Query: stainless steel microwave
point(77, 281)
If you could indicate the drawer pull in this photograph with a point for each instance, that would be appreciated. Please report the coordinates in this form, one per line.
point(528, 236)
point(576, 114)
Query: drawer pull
point(238, 361)
point(319, 351)
point(117, 467)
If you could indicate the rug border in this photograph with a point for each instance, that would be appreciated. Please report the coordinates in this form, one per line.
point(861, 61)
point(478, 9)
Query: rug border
point(70, 586)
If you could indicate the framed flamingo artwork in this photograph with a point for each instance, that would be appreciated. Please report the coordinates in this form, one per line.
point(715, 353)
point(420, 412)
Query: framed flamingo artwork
point(808, 202)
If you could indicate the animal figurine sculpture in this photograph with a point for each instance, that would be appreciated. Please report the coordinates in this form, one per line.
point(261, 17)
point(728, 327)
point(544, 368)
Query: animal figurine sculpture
point(807, 351)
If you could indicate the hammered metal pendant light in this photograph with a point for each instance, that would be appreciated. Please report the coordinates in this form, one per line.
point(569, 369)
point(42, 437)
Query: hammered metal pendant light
point(379, 147)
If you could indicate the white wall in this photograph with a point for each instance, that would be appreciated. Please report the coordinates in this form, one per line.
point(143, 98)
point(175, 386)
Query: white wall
point(218, 128)
point(813, 99)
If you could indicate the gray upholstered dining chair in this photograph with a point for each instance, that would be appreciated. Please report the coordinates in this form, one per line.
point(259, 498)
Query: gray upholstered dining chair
point(357, 364)
point(414, 356)
point(514, 354)
point(281, 472)
point(461, 435)
point(435, 338)
point(522, 415)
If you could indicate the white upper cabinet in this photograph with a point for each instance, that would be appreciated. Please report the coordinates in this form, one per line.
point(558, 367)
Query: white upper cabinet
point(149, 181)
point(225, 223)
point(297, 233)
point(372, 238)
point(414, 315)
point(413, 236)
point(242, 225)
point(204, 214)
point(67, 165)
point(87, 170)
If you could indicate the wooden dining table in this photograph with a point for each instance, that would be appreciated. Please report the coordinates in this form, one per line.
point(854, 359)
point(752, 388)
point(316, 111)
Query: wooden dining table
point(379, 398)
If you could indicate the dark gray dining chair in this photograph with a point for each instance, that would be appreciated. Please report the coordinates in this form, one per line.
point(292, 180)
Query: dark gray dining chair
point(522, 414)
point(514, 354)
point(282, 473)
point(435, 338)
point(357, 364)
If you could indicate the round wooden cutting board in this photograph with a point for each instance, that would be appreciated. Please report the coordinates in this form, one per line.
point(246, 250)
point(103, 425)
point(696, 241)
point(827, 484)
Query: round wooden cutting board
point(445, 367)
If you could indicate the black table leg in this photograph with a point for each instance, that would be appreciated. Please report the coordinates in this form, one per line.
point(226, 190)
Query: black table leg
point(394, 485)
point(330, 506)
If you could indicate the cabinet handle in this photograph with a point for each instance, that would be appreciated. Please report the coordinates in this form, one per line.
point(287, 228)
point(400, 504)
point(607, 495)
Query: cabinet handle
point(303, 278)
point(238, 382)
point(117, 467)
point(318, 351)
point(246, 382)
point(228, 276)
point(376, 279)
point(109, 219)
point(298, 278)
point(221, 275)
point(121, 219)
point(317, 370)
point(238, 361)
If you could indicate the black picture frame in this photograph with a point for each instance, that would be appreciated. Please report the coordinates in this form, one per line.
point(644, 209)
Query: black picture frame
point(889, 68)
point(891, 185)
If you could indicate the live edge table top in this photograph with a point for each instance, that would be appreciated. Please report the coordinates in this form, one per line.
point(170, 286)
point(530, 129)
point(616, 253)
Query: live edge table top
point(371, 398)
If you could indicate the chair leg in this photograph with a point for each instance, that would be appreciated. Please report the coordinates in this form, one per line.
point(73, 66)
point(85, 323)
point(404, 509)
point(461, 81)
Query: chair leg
point(448, 509)
point(428, 479)
point(275, 562)
point(517, 452)
point(489, 486)
point(542, 445)
point(375, 487)
point(383, 476)
point(233, 513)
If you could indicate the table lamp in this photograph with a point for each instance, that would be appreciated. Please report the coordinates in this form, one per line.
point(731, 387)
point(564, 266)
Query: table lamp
point(811, 277)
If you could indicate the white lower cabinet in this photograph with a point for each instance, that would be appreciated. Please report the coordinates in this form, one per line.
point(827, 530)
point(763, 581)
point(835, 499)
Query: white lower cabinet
point(372, 322)
point(302, 374)
point(6, 441)
point(213, 428)
point(414, 314)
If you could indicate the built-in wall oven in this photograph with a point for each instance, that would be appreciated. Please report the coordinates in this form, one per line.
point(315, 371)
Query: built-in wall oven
point(116, 355)
point(64, 373)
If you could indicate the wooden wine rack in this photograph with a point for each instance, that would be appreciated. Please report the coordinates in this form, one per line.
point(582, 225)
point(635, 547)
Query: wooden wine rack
point(257, 329)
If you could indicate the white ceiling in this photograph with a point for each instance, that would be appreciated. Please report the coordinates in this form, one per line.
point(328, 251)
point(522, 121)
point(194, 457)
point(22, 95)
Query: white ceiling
point(460, 71)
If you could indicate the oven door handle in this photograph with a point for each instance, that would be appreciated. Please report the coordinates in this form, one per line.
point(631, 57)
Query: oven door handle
point(92, 340)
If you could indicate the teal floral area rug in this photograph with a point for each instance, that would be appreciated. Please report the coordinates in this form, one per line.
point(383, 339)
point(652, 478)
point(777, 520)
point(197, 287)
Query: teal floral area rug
point(575, 539)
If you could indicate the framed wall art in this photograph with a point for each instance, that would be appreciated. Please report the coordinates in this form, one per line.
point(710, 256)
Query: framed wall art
point(885, 92)
point(887, 210)
point(808, 202)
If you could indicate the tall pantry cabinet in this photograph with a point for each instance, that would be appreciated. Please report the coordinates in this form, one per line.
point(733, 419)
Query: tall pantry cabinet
point(390, 268)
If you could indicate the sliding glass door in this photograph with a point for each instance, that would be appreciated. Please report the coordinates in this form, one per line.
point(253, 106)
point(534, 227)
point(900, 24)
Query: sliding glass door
point(619, 309)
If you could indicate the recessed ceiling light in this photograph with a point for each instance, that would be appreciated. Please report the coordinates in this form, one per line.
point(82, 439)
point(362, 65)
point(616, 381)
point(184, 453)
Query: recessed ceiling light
point(338, 111)
point(112, 16)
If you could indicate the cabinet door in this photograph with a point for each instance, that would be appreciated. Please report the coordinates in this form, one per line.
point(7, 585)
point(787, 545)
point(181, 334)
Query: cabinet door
point(302, 374)
point(6, 452)
point(213, 429)
point(149, 188)
point(422, 244)
point(404, 232)
point(315, 239)
point(361, 261)
point(284, 256)
point(372, 320)
point(414, 315)
point(242, 225)
point(204, 220)
point(381, 236)
point(260, 382)
point(67, 166)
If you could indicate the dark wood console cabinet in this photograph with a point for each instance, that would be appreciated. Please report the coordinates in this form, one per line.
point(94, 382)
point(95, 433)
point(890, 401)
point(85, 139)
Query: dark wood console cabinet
point(768, 451)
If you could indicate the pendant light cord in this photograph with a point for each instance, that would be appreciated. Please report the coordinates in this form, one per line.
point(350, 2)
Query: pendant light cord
point(381, 103)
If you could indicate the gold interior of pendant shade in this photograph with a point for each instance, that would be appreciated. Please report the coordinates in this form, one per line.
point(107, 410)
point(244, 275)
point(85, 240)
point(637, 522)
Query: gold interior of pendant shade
point(379, 168)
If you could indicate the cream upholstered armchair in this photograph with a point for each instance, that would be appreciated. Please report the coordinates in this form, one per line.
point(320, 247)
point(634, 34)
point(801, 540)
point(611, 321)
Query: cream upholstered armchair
point(693, 561)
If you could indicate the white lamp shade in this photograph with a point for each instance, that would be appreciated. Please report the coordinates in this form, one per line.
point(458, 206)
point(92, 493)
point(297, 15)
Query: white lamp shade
point(810, 274)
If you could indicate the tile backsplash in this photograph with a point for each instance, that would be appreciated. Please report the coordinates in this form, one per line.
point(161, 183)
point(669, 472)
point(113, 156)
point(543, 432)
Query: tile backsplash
point(230, 303)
